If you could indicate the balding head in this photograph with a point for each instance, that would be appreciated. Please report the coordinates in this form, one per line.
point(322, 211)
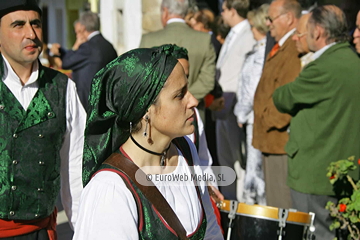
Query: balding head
point(300, 35)
point(282, 17)
point(327, 24)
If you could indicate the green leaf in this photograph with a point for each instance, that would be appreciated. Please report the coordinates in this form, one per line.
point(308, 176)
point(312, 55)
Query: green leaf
point(353, 219)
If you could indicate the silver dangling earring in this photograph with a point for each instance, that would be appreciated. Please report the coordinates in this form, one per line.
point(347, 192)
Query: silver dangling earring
point(130, 127)
point(145, 134)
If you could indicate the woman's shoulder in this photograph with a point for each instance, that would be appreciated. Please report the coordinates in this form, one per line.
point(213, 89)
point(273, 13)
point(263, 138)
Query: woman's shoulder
point(106, 181)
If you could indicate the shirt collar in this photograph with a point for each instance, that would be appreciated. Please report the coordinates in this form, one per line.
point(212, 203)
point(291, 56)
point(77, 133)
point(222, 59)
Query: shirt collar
point(238, 27)
point(286, 36)
point(172, 20)
point(91, 35)
point(10, 74)
point(318, 53)
point(306, 59)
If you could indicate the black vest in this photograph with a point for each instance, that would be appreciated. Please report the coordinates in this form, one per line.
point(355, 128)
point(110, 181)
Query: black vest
point(30, 143)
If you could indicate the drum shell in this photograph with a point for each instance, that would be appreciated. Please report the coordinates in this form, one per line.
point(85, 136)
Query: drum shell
point(250, 224)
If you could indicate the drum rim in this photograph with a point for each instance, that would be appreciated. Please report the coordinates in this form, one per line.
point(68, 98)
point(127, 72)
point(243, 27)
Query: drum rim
point(266, 212)
point(268, 218)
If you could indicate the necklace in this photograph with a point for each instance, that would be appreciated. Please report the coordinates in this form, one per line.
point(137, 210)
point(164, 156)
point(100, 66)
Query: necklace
point(163, 154)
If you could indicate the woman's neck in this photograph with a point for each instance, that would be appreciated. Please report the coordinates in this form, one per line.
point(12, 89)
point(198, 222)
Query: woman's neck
point(143, 157)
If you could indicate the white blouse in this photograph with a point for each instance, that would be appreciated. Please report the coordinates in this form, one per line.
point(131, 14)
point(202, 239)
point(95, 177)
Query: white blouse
point(249, 79)
point(108, 209)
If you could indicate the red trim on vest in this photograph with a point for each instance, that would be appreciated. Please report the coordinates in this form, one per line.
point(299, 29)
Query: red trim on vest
point(163, 221)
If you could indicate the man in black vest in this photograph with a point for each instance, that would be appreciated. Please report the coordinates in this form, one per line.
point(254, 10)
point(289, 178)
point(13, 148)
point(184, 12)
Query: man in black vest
point(41, 134)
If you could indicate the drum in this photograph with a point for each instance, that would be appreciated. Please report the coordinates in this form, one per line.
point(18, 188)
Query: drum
point(255, 222)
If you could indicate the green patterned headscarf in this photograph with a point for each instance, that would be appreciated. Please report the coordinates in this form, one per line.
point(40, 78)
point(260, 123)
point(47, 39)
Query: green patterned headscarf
point(121, 93)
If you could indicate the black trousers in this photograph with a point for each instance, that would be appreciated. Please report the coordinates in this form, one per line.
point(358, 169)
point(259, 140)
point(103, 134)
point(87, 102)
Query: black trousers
point(37, 235)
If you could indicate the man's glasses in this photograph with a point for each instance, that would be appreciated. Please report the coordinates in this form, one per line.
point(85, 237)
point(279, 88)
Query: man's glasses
point(271, 20)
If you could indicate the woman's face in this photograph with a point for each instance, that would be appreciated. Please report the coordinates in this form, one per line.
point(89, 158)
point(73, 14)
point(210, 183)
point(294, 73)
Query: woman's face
point(173, 113)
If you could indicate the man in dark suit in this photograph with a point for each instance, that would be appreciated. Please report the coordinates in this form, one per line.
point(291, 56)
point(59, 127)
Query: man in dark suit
point(324, 102)
point(90, 53)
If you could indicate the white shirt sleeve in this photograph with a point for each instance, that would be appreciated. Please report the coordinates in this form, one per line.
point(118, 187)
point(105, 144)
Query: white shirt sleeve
point(107, 211)
point(71, 154)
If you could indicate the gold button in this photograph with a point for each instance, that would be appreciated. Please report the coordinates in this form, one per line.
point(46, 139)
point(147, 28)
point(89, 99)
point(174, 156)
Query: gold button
point(41, 136)
point(50, 114)
point(12, 213)
point(37, 215)
point(15, 162)
point(15, 135)
point(41, 163)
point(13, 188)
point(2, 107)
point(40, 189)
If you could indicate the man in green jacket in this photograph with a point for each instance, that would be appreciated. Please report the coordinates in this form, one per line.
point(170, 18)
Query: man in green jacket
point(324, 102)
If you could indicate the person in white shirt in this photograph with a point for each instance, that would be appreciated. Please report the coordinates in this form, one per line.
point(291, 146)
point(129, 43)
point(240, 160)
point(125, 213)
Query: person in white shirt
point(229, 136)
point(42, 130)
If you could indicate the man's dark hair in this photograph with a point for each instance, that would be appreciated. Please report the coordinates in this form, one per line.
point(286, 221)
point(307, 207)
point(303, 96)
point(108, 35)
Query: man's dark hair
point(241, 6)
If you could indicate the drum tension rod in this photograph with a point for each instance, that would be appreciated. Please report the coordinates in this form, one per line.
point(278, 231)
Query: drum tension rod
point(282, 215)
point(231, 216)
point(311, 234)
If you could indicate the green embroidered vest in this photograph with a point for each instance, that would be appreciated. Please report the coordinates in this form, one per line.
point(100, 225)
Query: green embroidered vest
point(30, 143)
point(150, 224)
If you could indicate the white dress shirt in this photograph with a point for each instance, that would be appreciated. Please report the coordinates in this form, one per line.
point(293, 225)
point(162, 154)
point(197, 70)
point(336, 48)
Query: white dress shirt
point(230, 40)
point(72, 148)
point(319, 52)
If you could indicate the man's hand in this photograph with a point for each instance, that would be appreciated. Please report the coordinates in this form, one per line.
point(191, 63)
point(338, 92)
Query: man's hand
point(218, 104)
point(55, 49)
point(80, 39)
point(215, 194)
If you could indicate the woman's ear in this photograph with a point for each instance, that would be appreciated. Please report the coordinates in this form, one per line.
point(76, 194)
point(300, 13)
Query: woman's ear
point(147, 115)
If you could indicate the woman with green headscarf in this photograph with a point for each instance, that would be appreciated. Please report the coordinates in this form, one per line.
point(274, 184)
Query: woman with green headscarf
point(140, 108)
